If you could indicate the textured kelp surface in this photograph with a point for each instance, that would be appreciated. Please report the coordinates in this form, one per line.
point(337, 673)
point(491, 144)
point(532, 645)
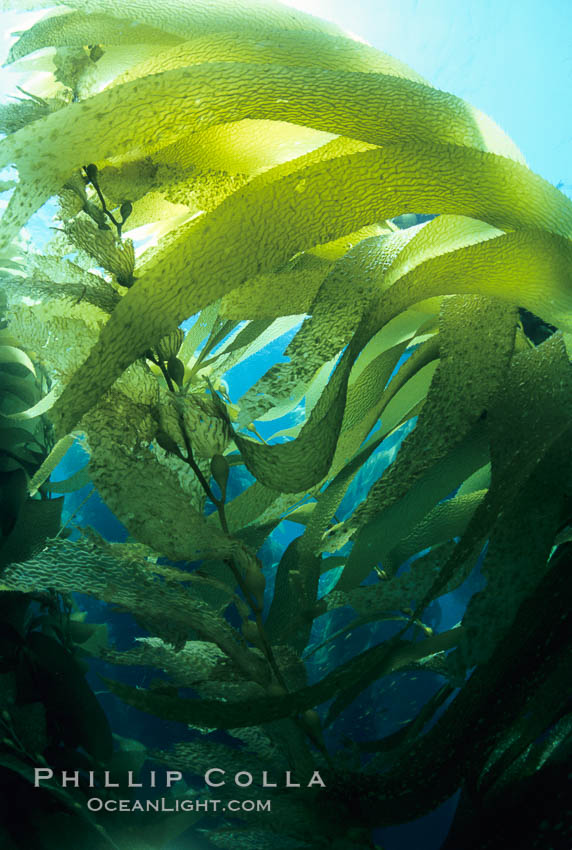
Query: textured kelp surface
point(253, 172)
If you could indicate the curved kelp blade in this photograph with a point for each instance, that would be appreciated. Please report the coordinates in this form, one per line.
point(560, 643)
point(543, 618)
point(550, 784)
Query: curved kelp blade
point(373, 663)
point(292, 611)
point(75, 482)
point(473, 363)
point(336, 311)
point(303, 462)
point(532, 411)
point(218, 251)
point(38, 409)
point(133, 483)
point(166, 608)
point(76, 29)
point(540, 376)
point(365, 403)
point(12, 358)
point(87, 132)
point(55, 456)
point(199, 17)
point(447, 520)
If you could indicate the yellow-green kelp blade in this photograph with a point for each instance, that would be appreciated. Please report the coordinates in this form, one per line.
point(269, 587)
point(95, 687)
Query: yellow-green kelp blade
point(77, 29)
point(529, 421)
point(190, 19)
point(476, 344)
point(152, 112)
point(278, 47)
point(262, 225)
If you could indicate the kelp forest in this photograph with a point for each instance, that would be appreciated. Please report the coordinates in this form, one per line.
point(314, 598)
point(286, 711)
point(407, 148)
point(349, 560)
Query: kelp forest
point(219, 179)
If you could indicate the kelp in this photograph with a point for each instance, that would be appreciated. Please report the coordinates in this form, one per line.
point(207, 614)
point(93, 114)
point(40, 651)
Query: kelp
point(85, 567)
point(336, 311)
point(372, 663)
point(461, 375)
point(280, 202)
point(495, 694)
point(228, 175)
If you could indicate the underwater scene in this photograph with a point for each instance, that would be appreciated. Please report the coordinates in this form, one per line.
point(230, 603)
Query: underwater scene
point(285, 426)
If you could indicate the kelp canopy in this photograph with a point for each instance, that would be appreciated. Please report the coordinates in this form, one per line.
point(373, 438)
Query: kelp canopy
point(254, 168)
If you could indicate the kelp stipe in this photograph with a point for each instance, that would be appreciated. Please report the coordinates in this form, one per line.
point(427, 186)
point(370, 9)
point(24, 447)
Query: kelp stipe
point(261, 171)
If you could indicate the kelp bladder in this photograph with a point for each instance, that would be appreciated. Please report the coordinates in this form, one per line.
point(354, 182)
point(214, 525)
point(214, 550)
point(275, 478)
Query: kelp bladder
point(243, 166)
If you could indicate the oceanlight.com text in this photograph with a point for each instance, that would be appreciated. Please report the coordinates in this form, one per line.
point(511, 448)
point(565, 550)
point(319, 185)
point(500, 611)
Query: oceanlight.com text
point(164, 804)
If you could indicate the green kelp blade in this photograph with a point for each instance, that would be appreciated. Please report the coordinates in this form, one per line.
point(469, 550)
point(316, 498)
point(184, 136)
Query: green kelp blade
point(365, 403)
point(277, 47)
point(447, 520)
point(373, 663)
point(55, 456)
point(476, 342)
point(144, 494)
point(89, 133)
point(303, 462)
point(75, 482)
point(363, 406)
point(294, 599)
point(167, 608)
point(400, 592)
point(258, 505)
point(292, 288)
point(10, 438)
point(405, 405)
point(266, 222)
point(376, 539)
point(532, 272)
point(245, 508)
point(332, 496)
point(112, 254)
point(11, 357)
point(411, 652)
point(400, 740)
point(93, 290)
point(442, 235)
point(479, 480)
point(292, 610)
point(245, 337)
point(194, 663)
point(288, 291)
point(38, 409)
point(200, 331)
point(76, 29)
point(199, 17)
point(17, 387)
point(377, 616)
point(534, 403)
point(302, 514)
point(299, 95)
point(336, 313)
point(412, 326)
point(530, 444)
point(344, 469)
